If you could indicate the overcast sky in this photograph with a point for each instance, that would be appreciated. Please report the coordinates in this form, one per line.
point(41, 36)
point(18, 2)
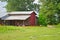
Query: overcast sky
point(3, 10)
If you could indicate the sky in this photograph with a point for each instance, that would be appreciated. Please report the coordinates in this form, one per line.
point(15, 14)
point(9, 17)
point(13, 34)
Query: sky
point(3, 10)
point(36, 1)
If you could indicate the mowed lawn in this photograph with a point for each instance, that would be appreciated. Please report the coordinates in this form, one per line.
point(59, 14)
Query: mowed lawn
point(29, 33)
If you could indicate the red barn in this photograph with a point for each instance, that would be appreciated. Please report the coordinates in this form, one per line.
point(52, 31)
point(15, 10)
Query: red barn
point(25, 18)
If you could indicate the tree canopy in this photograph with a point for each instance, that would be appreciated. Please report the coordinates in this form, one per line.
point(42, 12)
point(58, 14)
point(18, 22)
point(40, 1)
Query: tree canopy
point(51, 10)
point(21, 5)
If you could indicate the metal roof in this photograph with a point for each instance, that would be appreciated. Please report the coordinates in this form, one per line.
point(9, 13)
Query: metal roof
point(17, 17)
point(21, 12)
point(24, 17)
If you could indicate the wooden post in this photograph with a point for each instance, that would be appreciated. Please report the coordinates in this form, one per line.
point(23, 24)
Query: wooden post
point(4, 22)
point(23, 23)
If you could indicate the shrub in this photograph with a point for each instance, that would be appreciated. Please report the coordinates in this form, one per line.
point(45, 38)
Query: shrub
point(42, 20)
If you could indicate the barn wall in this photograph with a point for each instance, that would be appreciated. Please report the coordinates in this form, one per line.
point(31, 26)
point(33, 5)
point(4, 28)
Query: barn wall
point(0, 21)
point(33, 19)
point(18, 22)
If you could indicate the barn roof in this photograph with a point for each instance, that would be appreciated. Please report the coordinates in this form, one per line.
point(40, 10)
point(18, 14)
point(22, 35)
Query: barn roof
point(16, 17)
point(21, 12)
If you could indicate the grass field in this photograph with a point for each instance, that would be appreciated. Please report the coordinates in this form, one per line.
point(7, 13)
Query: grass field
point(29, 33)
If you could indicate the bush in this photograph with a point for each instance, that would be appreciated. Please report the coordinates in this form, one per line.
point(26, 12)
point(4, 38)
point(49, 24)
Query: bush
point(42, 20)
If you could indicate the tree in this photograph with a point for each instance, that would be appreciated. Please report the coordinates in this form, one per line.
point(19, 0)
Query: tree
point(21, 5)
point(50, 8)
point(42, 20)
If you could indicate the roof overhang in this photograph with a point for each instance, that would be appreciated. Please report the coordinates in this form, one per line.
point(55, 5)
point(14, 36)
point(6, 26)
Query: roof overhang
point(16, 17)
point(20, 12)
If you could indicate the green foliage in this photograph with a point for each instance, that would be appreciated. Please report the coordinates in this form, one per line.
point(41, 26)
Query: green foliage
point(42, 19)
point(21, 5)
point(50, 8)
point(52, 19)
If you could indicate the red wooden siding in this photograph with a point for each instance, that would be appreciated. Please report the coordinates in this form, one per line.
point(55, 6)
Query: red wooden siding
point(32, 19)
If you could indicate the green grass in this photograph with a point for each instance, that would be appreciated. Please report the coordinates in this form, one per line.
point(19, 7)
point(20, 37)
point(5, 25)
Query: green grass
point(29, 33)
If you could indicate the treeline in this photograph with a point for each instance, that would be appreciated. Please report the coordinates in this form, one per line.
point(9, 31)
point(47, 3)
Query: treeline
point(49, 12)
